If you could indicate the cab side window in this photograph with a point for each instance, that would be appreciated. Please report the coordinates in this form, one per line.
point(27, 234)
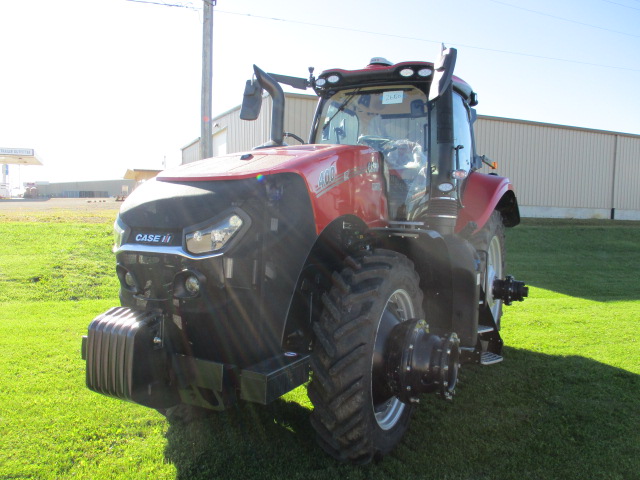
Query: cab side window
point(462, 132)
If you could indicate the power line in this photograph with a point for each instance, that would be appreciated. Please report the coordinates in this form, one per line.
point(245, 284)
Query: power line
point(622, 5)
point(404, 37)
point(164, 4)
point(438, 42)
point(566, 19)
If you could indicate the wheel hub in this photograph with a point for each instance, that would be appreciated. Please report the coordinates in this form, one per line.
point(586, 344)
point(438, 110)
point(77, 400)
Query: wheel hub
point(509, 290)
point(416, 362)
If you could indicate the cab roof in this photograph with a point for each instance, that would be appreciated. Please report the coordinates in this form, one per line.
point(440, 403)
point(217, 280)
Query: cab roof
point(381, 71)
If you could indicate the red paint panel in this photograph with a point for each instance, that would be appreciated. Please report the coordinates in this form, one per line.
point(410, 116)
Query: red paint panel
point(481, 195)
point(341, 179)
point(354, 186)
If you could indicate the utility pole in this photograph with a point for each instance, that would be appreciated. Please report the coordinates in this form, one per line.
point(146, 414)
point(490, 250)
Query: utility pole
point(206, 140)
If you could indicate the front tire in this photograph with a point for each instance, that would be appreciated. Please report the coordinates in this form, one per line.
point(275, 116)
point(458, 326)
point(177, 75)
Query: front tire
point(489, 242)
point(354, 418)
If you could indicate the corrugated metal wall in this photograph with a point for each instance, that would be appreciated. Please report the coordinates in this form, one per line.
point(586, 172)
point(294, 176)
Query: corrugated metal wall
point(299, 114)
point(564, 171)
point(550, 166)
point(242, 135)
point(557, 171)
point(191, 152)
point(627, 175)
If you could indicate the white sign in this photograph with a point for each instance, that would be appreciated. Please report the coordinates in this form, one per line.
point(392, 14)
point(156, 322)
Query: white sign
point(16, 151)
point(390, 98)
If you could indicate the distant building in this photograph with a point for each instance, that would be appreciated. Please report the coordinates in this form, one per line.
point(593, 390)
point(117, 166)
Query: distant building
point(230, 134)
point(558, 171)
point(139, 175)
point(15, 156)
point(92, 189)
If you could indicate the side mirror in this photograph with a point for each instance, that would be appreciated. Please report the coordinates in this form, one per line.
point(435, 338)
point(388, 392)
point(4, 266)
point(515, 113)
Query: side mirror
point(252, 100)
point(443, 73)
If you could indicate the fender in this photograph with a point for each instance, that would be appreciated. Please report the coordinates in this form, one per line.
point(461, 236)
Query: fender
point(448, 267)
point(482, 195)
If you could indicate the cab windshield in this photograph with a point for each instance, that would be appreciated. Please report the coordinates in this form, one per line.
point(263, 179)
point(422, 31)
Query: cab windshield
point(390, 119)
point(354, 116)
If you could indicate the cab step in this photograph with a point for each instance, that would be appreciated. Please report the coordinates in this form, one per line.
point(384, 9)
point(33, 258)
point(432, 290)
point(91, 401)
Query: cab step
point(490, 358)
point(485, 329)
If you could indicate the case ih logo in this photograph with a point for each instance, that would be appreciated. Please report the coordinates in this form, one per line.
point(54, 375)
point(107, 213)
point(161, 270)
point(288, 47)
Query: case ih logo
point(153, 238)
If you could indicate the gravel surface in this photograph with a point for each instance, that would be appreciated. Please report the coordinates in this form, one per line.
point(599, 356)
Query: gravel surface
point(85, 204)
point(59, 209)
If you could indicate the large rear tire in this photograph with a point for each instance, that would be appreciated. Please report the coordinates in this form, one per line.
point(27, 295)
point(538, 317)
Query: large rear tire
point(354, 421)
point(490, 244)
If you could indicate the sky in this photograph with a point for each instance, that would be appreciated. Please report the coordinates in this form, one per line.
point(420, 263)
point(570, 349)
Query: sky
point(97, 87)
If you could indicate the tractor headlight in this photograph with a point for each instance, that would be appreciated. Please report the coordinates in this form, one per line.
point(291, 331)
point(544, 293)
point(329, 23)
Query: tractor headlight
point(214, 237)
point(120, 233)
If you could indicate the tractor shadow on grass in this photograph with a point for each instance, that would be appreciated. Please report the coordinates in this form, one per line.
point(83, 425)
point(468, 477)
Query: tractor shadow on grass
point(248, 441)
point(534, 416)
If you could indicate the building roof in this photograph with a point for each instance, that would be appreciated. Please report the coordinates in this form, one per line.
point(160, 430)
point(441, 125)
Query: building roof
point(139, 174)
point(19, 156)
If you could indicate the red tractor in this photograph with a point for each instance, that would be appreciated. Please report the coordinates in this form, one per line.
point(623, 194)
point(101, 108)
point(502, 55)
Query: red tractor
point(370, 260)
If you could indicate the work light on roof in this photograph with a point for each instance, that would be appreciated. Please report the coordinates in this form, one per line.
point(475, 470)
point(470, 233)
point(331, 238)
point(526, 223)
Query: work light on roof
point(406, 72)
point(424, 72)
point(333, 78)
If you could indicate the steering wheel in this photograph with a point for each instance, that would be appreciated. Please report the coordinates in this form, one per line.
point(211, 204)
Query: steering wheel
point(379, 143)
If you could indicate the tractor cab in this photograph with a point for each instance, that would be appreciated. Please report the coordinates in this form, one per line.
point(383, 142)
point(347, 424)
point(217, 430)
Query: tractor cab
point(392, 120)
point(419, 118)
point(417, 115)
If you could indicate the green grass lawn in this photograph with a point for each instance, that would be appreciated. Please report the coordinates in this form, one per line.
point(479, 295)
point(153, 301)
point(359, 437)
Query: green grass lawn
point(565, 403)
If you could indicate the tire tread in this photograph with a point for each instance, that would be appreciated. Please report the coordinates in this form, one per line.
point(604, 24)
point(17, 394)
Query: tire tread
point(339, 390)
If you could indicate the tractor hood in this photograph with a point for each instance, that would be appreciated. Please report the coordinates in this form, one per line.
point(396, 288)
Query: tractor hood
point(294, 159)
point(195, 192)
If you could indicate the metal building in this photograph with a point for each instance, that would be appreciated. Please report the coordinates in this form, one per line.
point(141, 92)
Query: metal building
point(230, 134)
point(558, 171)
point(92, 189)
point(563, 171)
